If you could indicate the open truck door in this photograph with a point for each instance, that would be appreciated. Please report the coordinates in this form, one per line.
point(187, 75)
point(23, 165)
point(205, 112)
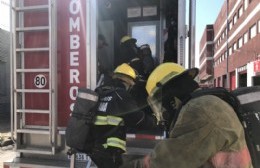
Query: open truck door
point(54, 52)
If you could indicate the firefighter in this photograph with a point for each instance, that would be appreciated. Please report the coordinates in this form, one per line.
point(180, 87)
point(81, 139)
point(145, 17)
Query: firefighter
point(129, 54)
point(145, 54)
point(206, 131)
point(117, 111)
point(133, 55)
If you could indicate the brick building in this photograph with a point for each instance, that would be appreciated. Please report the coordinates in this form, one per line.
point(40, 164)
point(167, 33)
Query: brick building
point(206, 56)
point(239, 43)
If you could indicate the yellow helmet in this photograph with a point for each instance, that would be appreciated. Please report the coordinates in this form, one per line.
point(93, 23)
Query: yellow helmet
point(164, 73)
point(127, 70)
point(127, 38)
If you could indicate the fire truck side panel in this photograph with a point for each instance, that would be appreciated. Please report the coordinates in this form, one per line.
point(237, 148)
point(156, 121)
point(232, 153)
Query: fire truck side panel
point(71, 53)
point(49, 86)
point(71, 58)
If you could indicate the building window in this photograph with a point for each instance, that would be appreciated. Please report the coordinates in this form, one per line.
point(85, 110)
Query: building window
point(245, 4)
point(240, 11)
point(230, 24)
point(240, 42)
point(225, 55)
point(223, 35)
point(235, 18)
point(146, 33)
point(252, 31)
point(245, 38)
point(258, 26)
point(230, 51)
point(235, 46)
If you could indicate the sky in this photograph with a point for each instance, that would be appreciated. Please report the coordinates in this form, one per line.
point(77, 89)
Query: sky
point(206, 13)
point(4, 20)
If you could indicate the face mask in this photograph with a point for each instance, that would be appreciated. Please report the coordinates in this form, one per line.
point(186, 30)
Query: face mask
point(157, 108)
point(164, 111)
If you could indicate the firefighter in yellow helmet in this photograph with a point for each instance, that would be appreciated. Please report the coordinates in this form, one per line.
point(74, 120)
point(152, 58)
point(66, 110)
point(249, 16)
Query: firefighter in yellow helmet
point(132, 55)
point(117, 111)
point(206, 131)
point(127, 38)
point(129, 53)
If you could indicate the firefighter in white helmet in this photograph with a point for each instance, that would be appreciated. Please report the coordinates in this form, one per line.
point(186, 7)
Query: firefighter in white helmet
point(206, 131)
point(117, 111)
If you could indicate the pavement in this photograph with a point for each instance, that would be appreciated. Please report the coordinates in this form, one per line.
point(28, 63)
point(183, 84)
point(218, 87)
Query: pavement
point(7, 153)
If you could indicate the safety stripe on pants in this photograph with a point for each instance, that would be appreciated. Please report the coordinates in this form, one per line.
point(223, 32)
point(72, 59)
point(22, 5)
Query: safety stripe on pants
point(116, 142)
point(108, 120)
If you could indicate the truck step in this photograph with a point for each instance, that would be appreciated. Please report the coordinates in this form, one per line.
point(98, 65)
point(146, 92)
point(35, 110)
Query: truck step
point(36, 150)
point(33, 131)
point(39, 163)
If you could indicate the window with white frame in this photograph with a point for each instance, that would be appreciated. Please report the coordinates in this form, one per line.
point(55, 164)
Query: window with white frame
point(230, 24)
point(235, 18)
point(252, 31)
point(245, 37)
point(230, 51)
point(240, 11)
point(258, 26)
point(240, 42)
point(235, 46)
point(245, 4)
point(146, 33)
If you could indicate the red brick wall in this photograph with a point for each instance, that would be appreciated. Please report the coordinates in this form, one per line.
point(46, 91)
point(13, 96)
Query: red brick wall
point(248, 51)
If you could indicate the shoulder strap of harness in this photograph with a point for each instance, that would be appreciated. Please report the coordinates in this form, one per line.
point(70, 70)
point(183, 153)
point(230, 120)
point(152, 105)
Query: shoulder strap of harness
point(220, 92)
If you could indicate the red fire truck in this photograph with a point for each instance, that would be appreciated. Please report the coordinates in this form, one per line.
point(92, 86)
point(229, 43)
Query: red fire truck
point(54, 52)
